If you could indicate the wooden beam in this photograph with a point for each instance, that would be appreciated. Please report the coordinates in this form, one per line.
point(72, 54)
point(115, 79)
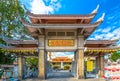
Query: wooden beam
point(40, 32)
point(82, 31)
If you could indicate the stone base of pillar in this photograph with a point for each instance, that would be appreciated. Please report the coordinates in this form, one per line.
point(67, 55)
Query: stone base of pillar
point(41, 78)
point(101, 73)
point(80, 77)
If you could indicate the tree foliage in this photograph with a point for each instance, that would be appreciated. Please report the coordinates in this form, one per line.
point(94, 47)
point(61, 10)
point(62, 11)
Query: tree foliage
point(115, 56)
point(32, 61)
point(6, 58)
point(11, 13)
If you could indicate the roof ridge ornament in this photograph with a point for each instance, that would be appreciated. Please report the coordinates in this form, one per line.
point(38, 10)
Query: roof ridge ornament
point(101, 18)
point(95, 10)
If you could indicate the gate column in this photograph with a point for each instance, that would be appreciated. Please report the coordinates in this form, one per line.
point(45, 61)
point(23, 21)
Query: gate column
point(101, 65)
point(98, 64)
point(20, 66)
point(80, 57)
point(42, 58)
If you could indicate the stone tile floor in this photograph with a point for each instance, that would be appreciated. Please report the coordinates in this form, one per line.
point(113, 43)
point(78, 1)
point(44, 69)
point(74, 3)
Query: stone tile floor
point(63, 76)
point(59, 76)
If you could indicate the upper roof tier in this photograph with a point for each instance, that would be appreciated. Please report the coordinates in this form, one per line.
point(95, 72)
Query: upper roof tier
point(60, 19)
point(35, 29)
point(39, 22)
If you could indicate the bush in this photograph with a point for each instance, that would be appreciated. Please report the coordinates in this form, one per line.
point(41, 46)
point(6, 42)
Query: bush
point(66, 67)
point(115, 56)
point(56, 66)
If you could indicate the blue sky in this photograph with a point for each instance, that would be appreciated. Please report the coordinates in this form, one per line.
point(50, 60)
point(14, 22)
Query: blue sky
point(108, 30)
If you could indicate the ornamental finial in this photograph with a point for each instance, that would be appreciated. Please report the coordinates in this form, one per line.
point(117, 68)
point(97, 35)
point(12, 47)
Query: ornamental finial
point(95, 10)
point(101, 18)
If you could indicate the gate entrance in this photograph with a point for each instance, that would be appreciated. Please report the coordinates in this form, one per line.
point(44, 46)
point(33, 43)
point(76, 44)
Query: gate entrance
point(66, 40)
point(60, 64)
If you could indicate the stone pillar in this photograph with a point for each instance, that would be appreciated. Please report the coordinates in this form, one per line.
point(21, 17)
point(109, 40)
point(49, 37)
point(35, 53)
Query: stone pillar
point(80, 57)
point(101, 65)
point(42, 58)
point(98, 65)
point(75, 61)
point(20, 67)
point(24, 68)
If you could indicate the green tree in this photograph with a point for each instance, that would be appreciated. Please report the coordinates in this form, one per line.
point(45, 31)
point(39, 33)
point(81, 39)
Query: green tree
point(6, 58)
point(32, 61)
point(115, 56)
point(11, 14)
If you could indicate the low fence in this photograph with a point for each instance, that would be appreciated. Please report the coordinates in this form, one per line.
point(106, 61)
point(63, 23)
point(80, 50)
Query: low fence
point(6, 71)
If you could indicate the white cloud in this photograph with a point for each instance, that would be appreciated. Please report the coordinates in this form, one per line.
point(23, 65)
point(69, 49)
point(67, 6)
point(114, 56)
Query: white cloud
point(98, 30)
point(106, 34)
point(91, 38)
point(109, 35)
point(99, 37)
point(39, 7)
point(53, 1)
point(117, 31)
point(56, 6)
point(110, 17)
point(115, 38)
point(106, 30)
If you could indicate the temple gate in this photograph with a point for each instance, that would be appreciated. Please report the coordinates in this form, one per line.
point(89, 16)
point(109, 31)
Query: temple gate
point(61, 33)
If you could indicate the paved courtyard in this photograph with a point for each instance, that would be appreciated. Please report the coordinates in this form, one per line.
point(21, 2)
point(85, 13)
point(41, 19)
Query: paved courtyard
point(63, 76)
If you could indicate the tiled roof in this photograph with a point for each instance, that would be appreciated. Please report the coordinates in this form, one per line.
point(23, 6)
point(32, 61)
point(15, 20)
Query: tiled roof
point(100, 41)
point(61, 59)
point(21, 41)
point(52, 16)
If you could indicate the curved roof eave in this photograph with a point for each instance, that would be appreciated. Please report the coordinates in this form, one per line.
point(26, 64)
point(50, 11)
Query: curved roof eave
point(29, 25)
point(64, 16)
